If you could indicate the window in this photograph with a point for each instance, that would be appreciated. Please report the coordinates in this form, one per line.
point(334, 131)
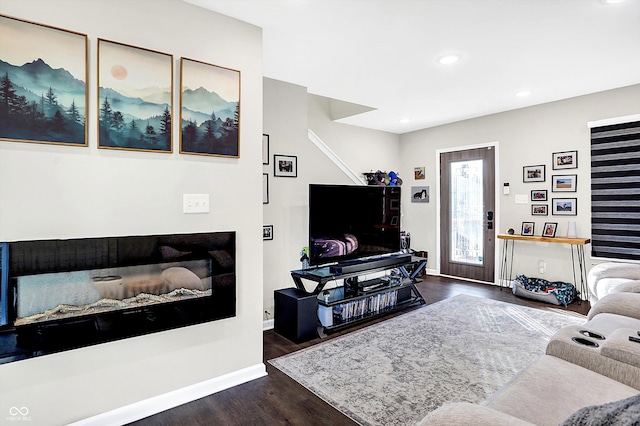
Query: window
point(615, 189)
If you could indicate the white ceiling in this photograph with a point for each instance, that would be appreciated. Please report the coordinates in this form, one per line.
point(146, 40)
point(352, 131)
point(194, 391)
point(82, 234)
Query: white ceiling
point(383, 54)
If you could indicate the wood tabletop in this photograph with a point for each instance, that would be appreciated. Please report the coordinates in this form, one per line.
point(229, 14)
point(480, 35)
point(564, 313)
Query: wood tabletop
point(559, 240)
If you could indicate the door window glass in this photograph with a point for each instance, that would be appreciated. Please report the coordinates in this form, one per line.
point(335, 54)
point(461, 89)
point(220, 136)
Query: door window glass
point(467, 212)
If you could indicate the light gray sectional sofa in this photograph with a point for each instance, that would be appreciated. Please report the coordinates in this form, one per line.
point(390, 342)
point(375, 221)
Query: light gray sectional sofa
point(590, 374)
point(612, 277)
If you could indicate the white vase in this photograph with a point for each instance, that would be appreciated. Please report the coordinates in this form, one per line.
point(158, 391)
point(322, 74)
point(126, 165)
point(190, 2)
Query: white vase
point(572, 232)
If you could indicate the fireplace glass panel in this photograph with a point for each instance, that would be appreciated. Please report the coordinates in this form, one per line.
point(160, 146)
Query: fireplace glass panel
point(59, 296)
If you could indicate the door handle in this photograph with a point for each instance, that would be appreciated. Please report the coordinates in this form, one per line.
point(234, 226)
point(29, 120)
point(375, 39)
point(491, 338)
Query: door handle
point(489, 215)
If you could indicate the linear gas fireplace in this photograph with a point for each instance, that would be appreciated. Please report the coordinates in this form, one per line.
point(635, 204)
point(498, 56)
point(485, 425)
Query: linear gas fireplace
point(64, 294)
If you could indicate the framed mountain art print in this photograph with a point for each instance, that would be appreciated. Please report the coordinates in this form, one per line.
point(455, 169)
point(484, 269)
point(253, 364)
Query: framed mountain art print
point(43, 79)
point(135, 97)
point(209, 109)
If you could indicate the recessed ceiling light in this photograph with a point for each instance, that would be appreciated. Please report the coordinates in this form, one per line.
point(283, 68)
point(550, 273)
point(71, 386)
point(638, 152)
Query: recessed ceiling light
point(523, 93)
point(612, 1)
point(404, 120)
point(449, 59)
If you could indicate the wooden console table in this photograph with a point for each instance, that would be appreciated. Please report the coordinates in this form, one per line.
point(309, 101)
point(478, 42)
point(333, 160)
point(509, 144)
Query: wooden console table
point(577, 246)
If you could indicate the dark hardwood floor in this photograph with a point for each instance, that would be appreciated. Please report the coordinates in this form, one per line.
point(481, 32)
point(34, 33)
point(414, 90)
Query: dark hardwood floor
point(278, 400)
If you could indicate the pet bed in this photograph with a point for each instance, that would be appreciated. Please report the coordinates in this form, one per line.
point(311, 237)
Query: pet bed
point(557, 293)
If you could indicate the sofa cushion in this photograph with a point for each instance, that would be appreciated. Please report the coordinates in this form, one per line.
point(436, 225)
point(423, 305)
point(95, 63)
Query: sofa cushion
point(551, 389)
point(606, 323)
point(625, 304)
point(604, 278)
point(630, 287)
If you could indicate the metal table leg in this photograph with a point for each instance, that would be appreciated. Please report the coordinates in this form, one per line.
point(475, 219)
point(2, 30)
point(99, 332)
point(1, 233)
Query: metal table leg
point(506, 264)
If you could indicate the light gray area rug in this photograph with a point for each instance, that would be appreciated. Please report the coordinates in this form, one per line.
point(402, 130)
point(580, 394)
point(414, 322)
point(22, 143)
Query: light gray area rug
point(397, 371)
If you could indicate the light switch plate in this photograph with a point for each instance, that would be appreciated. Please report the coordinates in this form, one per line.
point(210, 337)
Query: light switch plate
point(521, 199)
point(195, 203)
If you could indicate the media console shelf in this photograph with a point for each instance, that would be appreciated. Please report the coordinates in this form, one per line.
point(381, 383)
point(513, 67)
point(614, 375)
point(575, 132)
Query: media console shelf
point(577, 245)
point(357, 301)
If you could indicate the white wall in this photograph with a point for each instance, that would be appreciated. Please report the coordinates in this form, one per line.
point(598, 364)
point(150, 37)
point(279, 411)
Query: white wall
point(527, 136)
point(67, 192)
point(289, 111)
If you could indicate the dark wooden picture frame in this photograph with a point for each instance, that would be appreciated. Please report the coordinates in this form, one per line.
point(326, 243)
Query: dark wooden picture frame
point(549, 229)
point(539, 209)
point(265, 188)
point(564, 183)
point(539, 195)
point(565, 160)
point(528, 228)
point(564, 206)
point(265, 149)
point(285, 165)
point(534, 173)
point(267, 232)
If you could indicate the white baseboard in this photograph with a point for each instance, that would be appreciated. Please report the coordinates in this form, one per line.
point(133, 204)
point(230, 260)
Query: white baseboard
point(267, 325)
point(148, 407)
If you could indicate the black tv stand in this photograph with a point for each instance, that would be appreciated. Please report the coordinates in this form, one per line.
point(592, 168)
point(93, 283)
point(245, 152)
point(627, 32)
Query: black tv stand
point(360, 265)
point(358, 301)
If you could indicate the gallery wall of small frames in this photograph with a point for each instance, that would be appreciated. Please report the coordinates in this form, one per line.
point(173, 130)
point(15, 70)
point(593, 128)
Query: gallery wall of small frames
point(50, 99)
point(563, 183)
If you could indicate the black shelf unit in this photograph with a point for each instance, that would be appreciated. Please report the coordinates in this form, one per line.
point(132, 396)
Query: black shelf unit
point(355, 301)
point(337, 311)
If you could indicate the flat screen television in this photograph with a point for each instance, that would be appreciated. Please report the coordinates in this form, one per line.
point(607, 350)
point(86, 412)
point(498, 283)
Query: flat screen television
point(349, 222)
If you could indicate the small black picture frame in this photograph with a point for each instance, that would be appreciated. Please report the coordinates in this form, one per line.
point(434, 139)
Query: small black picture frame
point(265, 188)
point(285, 165)
point(539, 209)
point(265, 149)
point(538, 195)
point(527, 228)
point(564, 206)
point(267, 232)
point(549, 229)
point(565, 160)
point(534, 173)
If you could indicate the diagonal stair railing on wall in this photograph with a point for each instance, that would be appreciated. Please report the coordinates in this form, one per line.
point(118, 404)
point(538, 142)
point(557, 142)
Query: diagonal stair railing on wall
point(334, 158)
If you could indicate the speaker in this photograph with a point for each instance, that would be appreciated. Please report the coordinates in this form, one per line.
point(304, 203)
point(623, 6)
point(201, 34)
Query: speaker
point(295, 315)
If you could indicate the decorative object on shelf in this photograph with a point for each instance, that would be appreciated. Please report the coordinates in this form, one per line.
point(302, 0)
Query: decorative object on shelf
point(376, 178)
point(267, 232)
point(419, 173)
point(564, 206)
point(533, 173)
point(549, 229)
point(135, 96)
point(47, 97)
point(265, 149)
point(419, 194)
point(285, 165)
point(572, 230)
point(210, 95)
point(304, 257)
point(380, 178)
point(565, 160)
point(265, 188)
point(539, 209)
point(510, 231)
point(539, 195)
point(394, 179)
point(563, 183)
point(527, 228)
